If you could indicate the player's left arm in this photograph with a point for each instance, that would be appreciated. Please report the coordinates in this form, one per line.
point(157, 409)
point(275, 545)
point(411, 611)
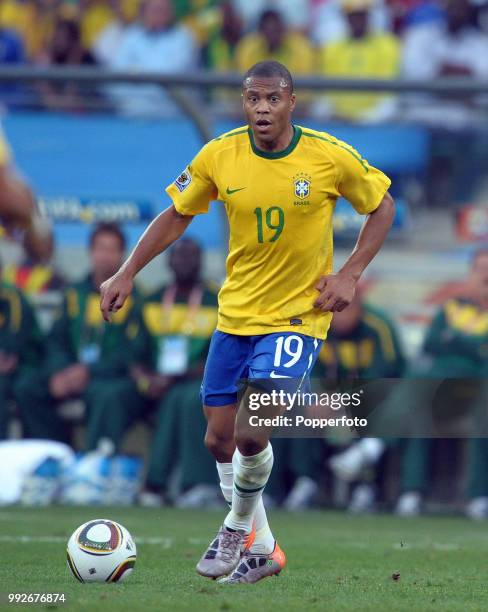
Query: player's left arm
point(366, 189)
point(337, 290)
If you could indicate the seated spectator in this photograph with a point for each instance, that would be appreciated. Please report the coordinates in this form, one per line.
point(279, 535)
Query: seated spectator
point(457, 343)
point(88, 359)
point(95, 16)
point(362, 53)
point(107, 42)
point(446, 380)
point(219, 53)
point(408, 13)
point(274, 41)
point(21, 349)
point(453, 47)
point(158, 44)
point(65, 48)
point(328, 23)
point(295, 14)
point(32, 276)
point(180, 319)
point(450, 48)
point(33, 20)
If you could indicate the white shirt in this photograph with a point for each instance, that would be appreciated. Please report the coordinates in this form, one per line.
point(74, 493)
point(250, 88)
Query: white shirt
point(171, 51)
point(107, 43)
point(428, 47)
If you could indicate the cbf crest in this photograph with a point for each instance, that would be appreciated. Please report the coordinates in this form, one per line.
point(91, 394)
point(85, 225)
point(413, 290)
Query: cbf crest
point(302, 185)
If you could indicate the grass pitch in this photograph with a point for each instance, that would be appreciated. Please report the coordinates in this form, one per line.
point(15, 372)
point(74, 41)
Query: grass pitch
point(335, 562)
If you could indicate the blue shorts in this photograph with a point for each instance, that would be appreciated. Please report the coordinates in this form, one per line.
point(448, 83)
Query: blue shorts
point(232, 358)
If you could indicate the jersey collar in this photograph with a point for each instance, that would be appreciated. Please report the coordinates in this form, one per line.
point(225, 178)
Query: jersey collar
point(297, 132)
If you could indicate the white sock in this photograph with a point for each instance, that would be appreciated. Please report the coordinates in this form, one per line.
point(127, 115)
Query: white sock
point(250, 477)
point(226, 475)
point(264, 542)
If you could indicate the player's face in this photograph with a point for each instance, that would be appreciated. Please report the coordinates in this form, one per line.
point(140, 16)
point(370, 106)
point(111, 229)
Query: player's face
point(268, 104)
point(106, 255)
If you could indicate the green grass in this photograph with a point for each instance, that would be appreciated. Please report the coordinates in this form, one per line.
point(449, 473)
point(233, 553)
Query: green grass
point(335, 562)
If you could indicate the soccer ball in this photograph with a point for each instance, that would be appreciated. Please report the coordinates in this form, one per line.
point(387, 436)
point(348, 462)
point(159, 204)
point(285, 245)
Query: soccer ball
point(101, 551)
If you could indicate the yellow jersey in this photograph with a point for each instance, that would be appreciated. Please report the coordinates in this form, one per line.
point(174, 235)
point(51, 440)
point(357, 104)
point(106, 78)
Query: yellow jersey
point(280, 208)
point(375, 56)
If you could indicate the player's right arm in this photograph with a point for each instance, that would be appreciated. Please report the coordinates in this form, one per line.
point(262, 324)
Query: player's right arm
point(166, 228)
point(191, 194)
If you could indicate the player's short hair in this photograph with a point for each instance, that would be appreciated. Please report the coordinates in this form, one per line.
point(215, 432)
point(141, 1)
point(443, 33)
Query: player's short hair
point(107, 227)
point(269, 69)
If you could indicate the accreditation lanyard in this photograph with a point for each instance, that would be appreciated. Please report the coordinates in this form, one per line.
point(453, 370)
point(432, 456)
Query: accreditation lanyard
point(91, 337)
point(173, 349)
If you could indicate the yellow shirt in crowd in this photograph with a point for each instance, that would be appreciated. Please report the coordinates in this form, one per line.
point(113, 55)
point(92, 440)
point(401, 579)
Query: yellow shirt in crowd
point(35, 28)
point(375, 56)
point(296, 53)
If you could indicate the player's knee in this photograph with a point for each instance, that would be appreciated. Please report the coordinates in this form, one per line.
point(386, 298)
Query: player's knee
point(249, 445)
point(220, 445)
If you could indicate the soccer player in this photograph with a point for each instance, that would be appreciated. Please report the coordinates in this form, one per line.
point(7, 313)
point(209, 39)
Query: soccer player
point(279, 183)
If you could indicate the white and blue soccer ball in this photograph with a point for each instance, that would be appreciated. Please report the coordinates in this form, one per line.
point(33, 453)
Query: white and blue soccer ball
point(101, 551)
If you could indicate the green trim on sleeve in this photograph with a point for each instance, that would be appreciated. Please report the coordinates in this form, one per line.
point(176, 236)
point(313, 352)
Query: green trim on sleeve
point(353, 153)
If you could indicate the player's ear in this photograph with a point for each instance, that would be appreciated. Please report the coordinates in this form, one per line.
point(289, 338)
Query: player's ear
point(293, 102)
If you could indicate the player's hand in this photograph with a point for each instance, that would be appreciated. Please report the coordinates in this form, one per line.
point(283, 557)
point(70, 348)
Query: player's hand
point(114, 292)
point(336, 292)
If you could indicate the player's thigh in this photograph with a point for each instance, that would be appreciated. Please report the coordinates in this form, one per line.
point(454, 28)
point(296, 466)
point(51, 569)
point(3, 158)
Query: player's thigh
point(226, 365)
point(278, 368)
point(279, 364)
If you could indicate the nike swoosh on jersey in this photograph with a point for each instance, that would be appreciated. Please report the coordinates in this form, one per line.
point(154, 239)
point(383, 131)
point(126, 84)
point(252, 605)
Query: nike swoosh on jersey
point(273, 374)
point(231, 191)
